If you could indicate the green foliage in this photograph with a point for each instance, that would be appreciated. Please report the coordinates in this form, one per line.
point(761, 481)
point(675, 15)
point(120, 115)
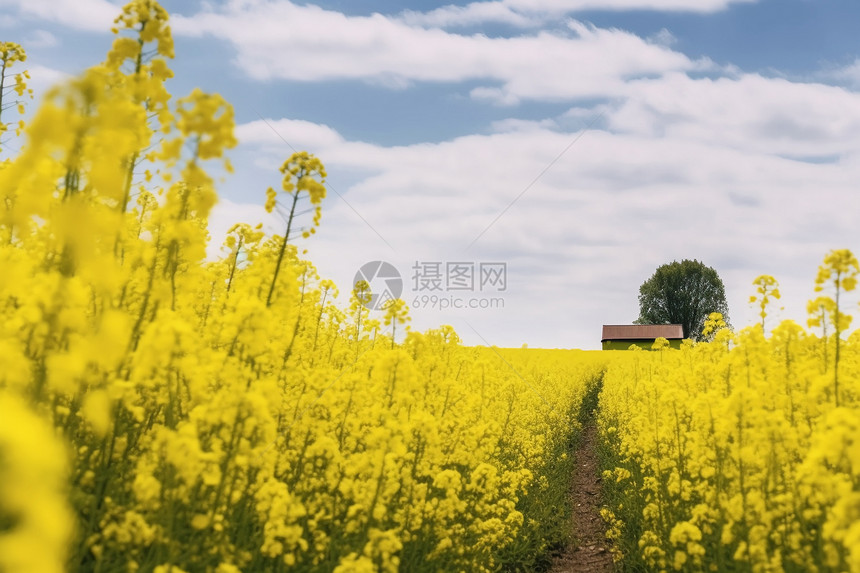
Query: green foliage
point(682, 293)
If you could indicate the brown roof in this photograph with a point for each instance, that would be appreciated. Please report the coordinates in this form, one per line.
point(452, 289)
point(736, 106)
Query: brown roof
point(642, 331)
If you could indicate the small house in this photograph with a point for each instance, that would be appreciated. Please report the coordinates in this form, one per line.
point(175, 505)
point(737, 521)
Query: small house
point(621, 336)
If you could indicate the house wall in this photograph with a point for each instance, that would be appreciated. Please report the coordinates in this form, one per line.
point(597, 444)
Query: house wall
point(644, 344)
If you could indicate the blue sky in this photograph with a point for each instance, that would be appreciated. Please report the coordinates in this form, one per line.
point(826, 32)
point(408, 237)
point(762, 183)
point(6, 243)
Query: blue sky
point(634, 134)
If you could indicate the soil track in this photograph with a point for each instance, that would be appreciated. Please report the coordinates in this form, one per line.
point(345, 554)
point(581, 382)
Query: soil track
point(588, 551)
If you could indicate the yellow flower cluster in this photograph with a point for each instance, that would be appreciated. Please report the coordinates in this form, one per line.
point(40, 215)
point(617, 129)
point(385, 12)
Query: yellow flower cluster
point(163, 412)
point(11, 54)
point(740, 453)
point(36, 520)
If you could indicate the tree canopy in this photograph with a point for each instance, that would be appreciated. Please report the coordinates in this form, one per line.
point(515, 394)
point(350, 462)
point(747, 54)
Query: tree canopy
point(682, 293)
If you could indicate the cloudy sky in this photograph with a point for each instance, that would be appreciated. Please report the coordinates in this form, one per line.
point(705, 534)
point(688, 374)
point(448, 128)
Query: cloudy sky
point(579, 143)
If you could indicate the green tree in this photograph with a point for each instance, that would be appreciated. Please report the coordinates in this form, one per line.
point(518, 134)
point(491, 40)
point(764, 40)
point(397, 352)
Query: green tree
point(682, 293)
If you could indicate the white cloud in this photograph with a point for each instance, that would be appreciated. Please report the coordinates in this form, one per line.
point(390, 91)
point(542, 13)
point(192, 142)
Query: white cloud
point(765, 115)
point(496, 96)
point(514, 124)
point(849, 74)
point(663, 38)
point(527, 13)
point(612, 208)
point(279, 39)
point(292, 132)
point(41, 39)
point(470, 15)
point(88, 15)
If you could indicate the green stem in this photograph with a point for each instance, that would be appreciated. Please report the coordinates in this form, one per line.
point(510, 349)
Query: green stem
point(283, 249)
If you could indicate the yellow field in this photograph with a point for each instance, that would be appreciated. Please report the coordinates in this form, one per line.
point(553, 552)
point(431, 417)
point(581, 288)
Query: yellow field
point(163, 412)
point(736, 459)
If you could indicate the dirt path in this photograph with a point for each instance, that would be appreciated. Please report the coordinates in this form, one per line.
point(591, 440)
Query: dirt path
point(588, 552)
